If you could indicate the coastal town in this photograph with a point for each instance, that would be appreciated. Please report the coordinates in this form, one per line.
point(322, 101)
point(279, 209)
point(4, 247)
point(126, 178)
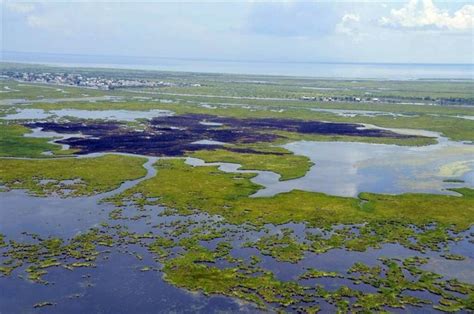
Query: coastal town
point(79, 80)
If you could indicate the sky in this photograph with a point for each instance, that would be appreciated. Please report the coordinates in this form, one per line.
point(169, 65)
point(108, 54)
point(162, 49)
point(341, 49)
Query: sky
point(412, 31)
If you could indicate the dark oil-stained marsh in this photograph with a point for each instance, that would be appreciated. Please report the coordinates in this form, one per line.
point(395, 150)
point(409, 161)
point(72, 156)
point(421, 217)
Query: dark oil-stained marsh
point(175, 135)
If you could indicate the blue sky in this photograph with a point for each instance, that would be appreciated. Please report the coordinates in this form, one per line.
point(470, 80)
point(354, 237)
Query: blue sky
point(422, 31)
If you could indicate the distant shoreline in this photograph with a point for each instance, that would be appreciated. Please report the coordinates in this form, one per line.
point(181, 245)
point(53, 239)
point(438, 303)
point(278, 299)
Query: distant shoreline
point(322, 70)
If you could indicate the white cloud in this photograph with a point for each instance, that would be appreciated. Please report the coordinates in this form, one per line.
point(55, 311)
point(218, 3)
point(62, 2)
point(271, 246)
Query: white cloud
point(64, 19)
point(29, 14)
point(19, 7)
point(348, 24)
point(425, 14)
point(37, 21)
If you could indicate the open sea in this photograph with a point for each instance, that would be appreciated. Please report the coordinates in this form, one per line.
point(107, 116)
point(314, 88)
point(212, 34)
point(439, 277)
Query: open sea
point(333, 70)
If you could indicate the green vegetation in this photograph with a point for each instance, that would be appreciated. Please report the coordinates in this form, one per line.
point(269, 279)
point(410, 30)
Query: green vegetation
point(432, 237)
point(244, 283)
point(454, 257)
point(38, 256)
point(277, 160)
point(13, 143)
point(2, 241)
point(392, 280)
point(193, 269)
point(414, 141)
point(75, 176)
point(32, 91)
point(283, 247)
point(315, 273)
point(187, 188)
point(197, 268)
point(293, 88)
point(241, 85)
point(391, 283)
point(99, 105)
point(424, 208)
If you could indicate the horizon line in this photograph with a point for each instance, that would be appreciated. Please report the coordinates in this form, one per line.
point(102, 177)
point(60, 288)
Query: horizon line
point(225, 60)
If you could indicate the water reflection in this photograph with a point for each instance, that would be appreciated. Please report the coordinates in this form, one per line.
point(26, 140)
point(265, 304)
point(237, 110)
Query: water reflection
point(346, 169)
point(113, 115)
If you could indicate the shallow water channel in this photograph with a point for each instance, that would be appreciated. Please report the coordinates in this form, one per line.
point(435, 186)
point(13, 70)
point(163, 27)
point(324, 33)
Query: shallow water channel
point(112, 115)
point(116, 284)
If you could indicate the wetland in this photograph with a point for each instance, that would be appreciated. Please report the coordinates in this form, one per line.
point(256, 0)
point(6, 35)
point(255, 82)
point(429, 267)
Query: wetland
point(245, 205)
